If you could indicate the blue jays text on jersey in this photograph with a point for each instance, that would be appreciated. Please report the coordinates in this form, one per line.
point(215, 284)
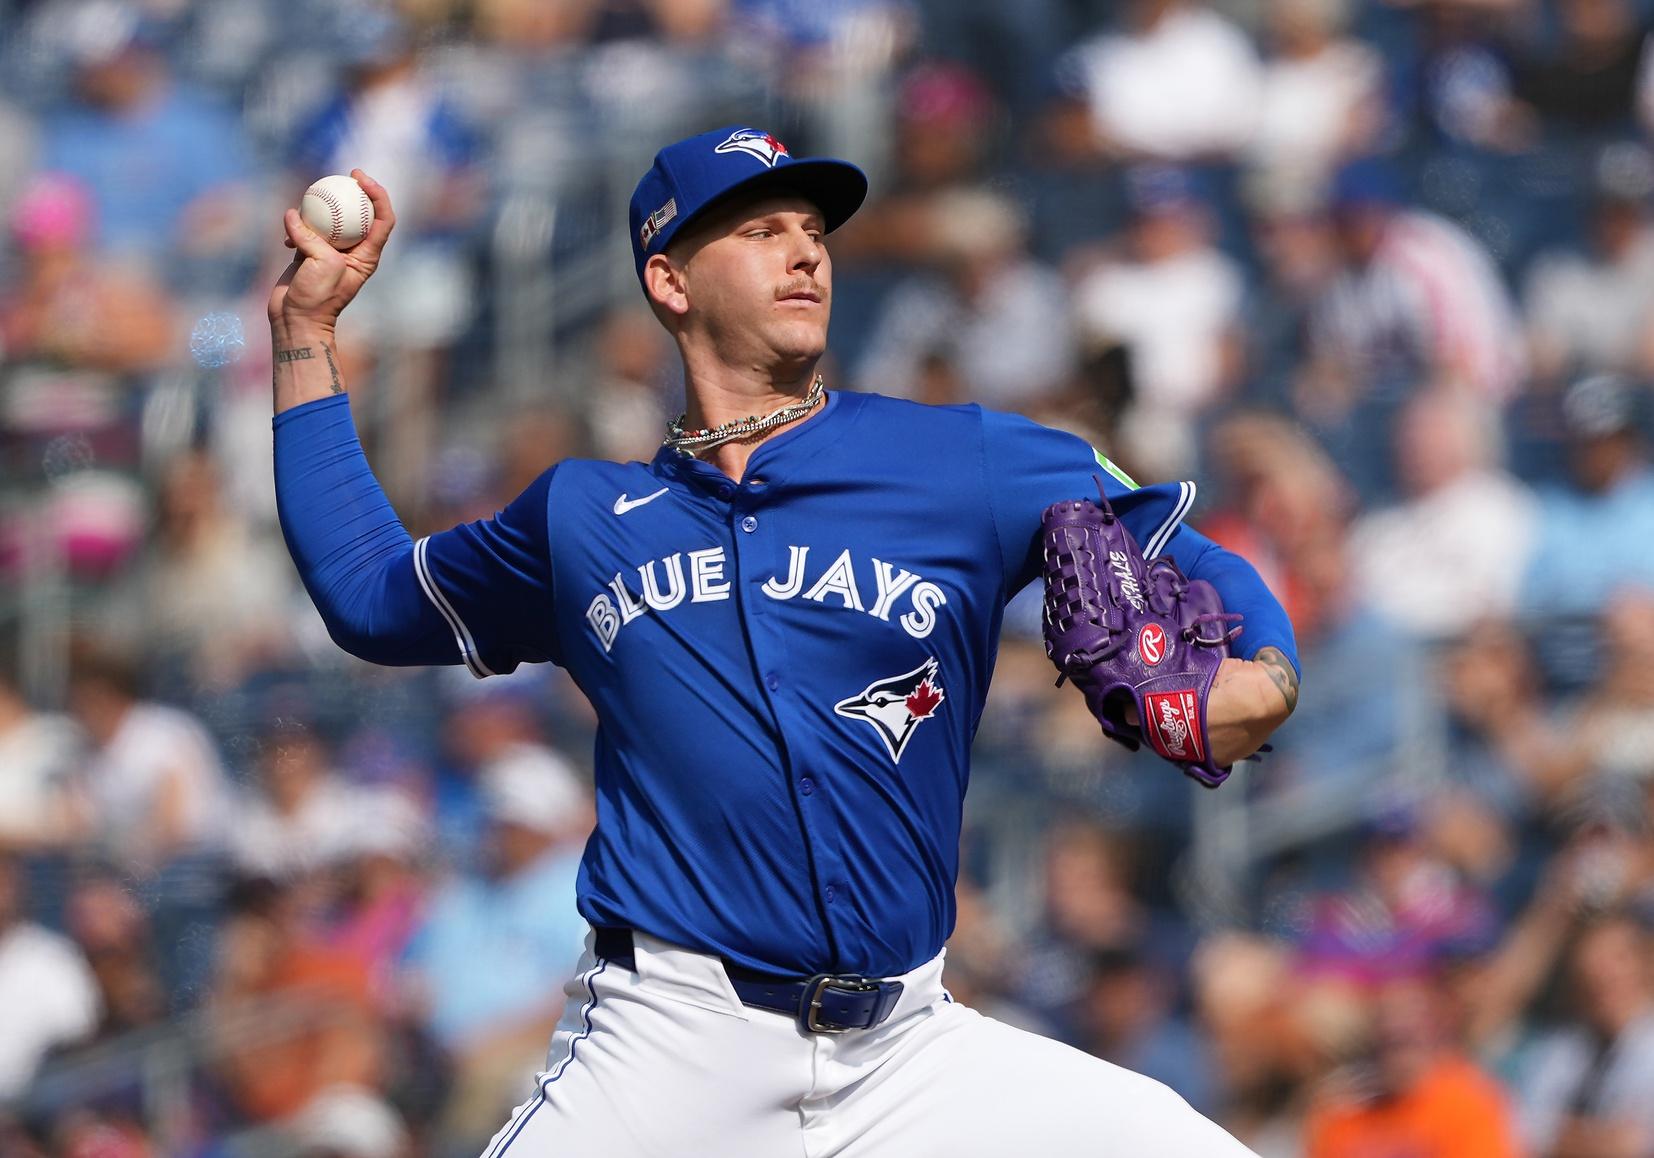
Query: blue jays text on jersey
point(617, 605)
point(787, 671)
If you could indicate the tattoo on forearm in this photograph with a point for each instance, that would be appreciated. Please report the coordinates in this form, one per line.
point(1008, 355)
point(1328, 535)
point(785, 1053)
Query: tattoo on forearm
point(1279, 669)
point(305, 354)
point(333, 368)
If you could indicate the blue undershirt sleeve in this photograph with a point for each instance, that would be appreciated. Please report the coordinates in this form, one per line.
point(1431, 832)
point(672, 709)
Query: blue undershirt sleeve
point(1265, 622)
point(479, 594)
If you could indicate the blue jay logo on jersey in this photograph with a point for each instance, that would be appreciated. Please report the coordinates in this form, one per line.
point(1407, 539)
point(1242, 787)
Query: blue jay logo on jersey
point(754, 143)
point(895, 707)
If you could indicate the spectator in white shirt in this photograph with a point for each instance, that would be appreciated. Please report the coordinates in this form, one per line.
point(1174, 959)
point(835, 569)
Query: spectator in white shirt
point(154, 780)
point(1322, 94)
point(37, 754)
point(1176, 82)
point(1592, 310)
point(48, 996)
point(303, 817)
point(1172, 300)
point(1453, 551)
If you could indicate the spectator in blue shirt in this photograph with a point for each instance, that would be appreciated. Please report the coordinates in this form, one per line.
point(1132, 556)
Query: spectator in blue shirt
point(497, 944)
point(167, 166)
point(1598, 534)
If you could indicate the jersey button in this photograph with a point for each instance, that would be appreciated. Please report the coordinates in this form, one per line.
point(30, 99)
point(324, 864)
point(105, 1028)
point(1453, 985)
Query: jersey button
point(806, 786)
point(772, 681)
point(831, 893)
point(725, 490)
point(749, 524)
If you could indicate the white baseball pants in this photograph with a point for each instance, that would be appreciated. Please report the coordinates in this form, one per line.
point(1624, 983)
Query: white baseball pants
point(667, 1063)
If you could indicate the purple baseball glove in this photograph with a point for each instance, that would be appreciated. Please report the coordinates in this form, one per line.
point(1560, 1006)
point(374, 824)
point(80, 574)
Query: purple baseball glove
point(1131, 632)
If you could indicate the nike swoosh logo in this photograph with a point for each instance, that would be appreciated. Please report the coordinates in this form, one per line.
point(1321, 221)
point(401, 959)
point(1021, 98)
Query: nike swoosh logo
point(624, 504)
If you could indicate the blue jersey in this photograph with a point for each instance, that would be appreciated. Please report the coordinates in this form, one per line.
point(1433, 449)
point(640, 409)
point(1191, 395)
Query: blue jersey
point(787, 672)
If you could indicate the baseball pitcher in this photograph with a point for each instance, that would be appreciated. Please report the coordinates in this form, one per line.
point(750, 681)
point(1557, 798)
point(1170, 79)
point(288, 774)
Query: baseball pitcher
point(786, 623)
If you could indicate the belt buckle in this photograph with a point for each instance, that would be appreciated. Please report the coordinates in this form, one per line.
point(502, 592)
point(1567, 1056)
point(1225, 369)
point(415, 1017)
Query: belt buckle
point(812, 999)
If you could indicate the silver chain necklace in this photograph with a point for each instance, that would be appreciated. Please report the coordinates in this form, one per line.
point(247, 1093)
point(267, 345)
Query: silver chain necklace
point(691, 442)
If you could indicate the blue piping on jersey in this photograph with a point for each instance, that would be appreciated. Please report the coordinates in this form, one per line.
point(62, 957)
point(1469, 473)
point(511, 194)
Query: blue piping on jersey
point(540, 1099)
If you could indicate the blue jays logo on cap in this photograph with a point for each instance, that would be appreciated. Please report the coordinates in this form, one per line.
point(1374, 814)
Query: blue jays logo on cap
point(691, 176)
point(762, 145)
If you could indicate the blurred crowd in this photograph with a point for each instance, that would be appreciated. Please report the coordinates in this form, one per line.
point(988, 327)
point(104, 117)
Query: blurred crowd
point(1379, 274)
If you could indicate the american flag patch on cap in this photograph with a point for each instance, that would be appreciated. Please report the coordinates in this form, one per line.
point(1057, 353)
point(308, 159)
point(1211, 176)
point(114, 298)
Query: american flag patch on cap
point(657, 221)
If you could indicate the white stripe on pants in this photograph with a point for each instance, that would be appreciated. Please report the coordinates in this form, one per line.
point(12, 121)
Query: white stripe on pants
point(667, 1063)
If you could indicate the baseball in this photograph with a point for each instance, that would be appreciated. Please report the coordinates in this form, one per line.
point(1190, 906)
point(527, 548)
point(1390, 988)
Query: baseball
point(336, 208)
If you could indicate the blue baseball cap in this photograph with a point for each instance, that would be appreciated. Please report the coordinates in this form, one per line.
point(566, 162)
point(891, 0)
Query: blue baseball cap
point(1365, 183)
point(695, 174)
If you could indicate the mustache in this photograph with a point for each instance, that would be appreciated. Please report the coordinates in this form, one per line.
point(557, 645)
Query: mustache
point(800, 285)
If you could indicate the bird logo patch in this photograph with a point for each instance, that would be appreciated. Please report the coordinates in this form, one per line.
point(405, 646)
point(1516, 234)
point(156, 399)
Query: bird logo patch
point(764, 146)
point(895, 707)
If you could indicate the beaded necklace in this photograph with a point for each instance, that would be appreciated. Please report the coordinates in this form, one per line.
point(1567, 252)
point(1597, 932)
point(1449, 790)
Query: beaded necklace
point(692, 442)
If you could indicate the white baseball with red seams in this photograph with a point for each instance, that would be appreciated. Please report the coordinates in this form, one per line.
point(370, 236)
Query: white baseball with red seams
point(336, 208)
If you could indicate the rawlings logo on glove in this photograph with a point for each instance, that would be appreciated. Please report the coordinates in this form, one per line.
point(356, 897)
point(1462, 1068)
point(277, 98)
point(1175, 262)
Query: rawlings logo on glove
point(1101, 595)
point(1169, 719)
